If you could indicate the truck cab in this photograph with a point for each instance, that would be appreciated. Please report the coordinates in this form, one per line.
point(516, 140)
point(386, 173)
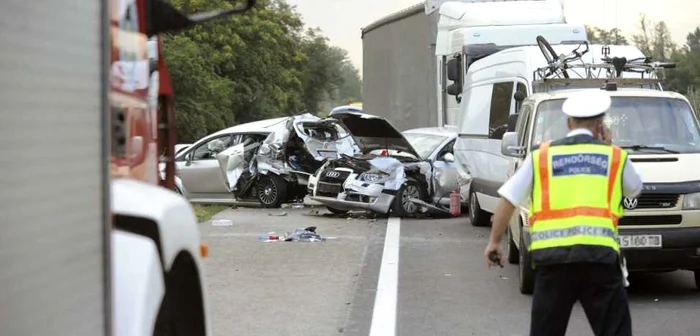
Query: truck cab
point(660, 230)
point(469, 31)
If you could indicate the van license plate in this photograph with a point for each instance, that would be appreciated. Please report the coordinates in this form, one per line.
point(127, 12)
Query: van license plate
point(640, 241)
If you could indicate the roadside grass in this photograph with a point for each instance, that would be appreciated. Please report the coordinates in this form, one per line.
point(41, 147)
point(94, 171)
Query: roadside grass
point(205, 212)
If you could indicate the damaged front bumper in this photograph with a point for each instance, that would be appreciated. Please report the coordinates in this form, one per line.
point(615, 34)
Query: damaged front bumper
point(346, 192)
point(380, 204)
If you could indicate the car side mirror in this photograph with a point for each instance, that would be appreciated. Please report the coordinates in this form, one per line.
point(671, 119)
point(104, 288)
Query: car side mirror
point(448, 157)
point(509, 146)
point(188, 158)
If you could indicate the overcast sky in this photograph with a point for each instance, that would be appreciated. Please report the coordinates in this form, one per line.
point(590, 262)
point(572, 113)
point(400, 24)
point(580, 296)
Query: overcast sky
point(341, 20)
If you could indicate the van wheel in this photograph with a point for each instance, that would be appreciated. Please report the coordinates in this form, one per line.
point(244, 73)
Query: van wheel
point(477, 216)
point(697, 279)
point(513, 253)
point(402, 207)
point(526, 275)
point(271, 191)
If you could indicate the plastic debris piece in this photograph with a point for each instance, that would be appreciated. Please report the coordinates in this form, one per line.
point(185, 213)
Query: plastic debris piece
point(222, 222)
point(307, 234)
point(298, 206)
point(504, 278)
point(269, 238)
point(278, 214)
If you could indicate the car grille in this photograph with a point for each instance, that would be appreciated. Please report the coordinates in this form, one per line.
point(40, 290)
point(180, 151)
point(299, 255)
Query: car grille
point(651, 220)
point(657, 201)
point(330, 183)
point(328, 189)
point(334, 176)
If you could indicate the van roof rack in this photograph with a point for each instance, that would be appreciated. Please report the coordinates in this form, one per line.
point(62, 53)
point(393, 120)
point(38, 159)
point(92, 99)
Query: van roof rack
point(552, 84)
point(593, 74)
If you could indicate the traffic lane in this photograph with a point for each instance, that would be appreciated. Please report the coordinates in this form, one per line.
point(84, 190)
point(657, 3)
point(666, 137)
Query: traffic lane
point(445, 288)
point(283, 288)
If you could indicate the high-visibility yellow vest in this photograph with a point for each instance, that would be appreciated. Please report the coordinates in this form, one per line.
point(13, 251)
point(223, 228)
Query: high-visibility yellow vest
point(576, 200)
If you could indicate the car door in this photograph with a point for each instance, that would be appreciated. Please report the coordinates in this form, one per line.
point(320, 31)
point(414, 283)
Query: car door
point(200, 172)
point(444, 172)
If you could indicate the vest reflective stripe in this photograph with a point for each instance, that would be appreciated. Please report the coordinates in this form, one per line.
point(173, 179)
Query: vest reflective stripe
point(577, 225)
point(573, 231)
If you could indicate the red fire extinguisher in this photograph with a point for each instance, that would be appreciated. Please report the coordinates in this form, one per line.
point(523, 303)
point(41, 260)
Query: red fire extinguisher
point(455, 206)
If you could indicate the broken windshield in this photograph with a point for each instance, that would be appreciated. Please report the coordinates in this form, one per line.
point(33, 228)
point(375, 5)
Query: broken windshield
point(324, 131)
point(425, 144)
point(666, 123)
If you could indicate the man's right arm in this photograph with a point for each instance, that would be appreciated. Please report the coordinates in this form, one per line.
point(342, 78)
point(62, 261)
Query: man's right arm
point(516, 189)
point(631, 180)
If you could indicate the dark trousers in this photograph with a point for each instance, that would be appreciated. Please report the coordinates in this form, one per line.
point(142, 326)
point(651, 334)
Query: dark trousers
point(598, 287)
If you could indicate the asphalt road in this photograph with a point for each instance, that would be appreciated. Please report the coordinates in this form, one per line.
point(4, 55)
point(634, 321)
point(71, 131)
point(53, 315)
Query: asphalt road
point(433, 281)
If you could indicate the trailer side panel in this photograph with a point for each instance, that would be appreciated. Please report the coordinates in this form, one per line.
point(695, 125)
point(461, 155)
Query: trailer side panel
point(53, 159)
point(399, 69)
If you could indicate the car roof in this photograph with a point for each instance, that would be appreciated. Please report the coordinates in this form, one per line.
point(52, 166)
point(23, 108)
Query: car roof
point(621, 92)
point(253, 127)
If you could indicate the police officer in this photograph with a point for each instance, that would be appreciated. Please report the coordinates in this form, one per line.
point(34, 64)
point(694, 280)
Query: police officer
point(576, 185)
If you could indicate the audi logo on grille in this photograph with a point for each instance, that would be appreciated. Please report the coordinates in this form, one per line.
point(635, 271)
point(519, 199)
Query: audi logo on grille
point(629, 203)
point(333, 174)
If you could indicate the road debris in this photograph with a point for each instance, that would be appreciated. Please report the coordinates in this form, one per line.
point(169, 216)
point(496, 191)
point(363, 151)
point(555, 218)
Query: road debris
point(221, 222)
point(307, 234)
point(278, 214)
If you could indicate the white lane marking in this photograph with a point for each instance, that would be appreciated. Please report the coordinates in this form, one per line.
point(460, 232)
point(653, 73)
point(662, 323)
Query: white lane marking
point(384, 313)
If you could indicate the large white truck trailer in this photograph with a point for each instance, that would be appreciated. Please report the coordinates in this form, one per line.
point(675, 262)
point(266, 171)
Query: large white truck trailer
point(411, 58)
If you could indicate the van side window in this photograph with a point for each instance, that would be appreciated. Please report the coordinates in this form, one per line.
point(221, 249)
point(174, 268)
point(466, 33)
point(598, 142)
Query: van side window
point(520, 88)
point(500, 109)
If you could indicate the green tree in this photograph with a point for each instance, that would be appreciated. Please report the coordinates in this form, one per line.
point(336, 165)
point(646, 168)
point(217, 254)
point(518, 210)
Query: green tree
point(601, 36)
point(249, 67)
point(654, 39)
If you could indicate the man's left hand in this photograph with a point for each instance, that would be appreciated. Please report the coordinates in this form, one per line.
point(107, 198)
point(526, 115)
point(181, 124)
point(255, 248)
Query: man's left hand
point(493, 247)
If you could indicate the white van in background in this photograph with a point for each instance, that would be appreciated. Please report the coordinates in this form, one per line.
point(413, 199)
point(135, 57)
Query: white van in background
point(469, 46)
point(468, 30)
point(489, 105)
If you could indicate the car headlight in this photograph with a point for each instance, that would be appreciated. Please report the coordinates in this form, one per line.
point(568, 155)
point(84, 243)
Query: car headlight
point(691, 201)
point(374, 177)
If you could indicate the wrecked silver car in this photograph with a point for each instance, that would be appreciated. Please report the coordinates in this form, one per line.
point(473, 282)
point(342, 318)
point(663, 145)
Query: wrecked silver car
point(389, 174)
point(277, 169)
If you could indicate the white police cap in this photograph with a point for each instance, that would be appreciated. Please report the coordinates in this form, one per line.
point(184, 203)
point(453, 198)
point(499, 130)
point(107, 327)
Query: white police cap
point(586, 104)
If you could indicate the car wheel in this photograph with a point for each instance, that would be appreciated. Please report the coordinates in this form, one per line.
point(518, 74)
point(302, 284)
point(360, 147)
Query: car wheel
point(513, 253)
point(402, 206)
point(271, 191)
point(477, 216)
point(697, 279)
point(526, 275)
point(336, 211)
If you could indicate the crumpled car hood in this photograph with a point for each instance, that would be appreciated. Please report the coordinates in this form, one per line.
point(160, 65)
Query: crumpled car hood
point(373, 133)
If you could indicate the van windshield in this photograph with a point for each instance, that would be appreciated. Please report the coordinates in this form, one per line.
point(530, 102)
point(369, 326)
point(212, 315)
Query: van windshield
point(634, 121)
